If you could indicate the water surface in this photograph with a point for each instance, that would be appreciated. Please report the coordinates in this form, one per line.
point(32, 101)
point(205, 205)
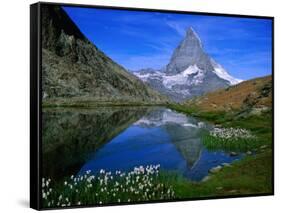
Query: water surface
point(115, 138)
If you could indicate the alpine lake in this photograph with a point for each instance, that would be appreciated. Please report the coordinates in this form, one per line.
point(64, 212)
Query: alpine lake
point(75, 141)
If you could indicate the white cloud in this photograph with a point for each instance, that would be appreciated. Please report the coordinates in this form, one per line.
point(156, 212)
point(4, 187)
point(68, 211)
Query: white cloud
point(178, 27)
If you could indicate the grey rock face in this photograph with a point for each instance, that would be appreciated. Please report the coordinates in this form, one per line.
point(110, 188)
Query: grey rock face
point(189, 52)
point(75, 69)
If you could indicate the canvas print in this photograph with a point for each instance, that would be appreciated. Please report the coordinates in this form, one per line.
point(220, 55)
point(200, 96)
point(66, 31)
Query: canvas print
point(148, 106)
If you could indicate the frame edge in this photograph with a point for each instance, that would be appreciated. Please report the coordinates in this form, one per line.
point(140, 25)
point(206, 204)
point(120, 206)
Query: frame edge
point(34, 106)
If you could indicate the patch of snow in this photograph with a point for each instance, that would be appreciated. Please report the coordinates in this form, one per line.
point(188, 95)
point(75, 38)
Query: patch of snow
point(147, 76)
point(190, 70)
point(183, 91)
point(183, 78)
point(167, 117)
point(222, 73)
point(198, 79)
point(190, 125)
point(192, 76)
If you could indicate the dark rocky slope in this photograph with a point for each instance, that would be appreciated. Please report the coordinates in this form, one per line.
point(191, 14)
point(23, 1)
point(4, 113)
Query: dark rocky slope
point(74, 70)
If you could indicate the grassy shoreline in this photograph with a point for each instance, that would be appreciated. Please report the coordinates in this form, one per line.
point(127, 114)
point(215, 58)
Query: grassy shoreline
point(251, 175)
point(145, 184)
point(259, 125)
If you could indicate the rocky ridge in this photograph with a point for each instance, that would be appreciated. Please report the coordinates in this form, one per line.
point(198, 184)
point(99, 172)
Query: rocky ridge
point(75, 70)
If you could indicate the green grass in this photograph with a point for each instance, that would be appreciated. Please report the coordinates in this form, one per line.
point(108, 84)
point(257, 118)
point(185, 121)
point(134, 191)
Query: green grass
point(215, 117)
point(238, 145)
point(229, 119)
point(251, 175)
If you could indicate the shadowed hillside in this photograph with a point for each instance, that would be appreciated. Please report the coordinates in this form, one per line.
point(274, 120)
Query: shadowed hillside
point(75, 71)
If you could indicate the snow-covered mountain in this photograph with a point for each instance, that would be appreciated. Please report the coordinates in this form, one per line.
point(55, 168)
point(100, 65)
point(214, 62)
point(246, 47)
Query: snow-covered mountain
point(190, 72)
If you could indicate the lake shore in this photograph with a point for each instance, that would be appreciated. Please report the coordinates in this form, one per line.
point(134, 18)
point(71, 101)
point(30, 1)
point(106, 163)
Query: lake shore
point(151, 184)
point(250, 176)
point(88, 103)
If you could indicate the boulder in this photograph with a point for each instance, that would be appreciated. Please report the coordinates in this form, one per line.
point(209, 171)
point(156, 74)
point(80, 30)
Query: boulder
point(208, 177)
point(233, 154)
point(263, 146)
point(226, 164)
point(215, 169)
point(248, 152)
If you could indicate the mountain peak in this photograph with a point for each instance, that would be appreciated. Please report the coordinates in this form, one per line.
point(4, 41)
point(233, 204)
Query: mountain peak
point(191, 34)
point(189, 52)
point(190, 72)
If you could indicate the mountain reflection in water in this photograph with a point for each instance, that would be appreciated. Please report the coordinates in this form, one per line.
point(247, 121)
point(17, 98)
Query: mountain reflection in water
point(160, 136)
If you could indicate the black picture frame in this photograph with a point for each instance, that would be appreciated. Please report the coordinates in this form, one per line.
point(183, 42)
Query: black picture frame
point(36, 99)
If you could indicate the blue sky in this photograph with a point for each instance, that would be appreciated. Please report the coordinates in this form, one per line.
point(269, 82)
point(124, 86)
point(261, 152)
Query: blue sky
point(137, 39)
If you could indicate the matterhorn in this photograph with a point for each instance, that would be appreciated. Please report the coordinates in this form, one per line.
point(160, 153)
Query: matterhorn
point(190, 72)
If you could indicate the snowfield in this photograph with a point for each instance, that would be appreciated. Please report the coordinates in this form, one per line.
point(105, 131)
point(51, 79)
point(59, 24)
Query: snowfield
point(191, 76)
point(219, 71)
